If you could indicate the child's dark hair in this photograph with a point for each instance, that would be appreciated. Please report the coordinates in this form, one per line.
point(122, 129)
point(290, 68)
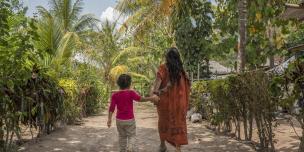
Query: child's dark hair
point(124, 81)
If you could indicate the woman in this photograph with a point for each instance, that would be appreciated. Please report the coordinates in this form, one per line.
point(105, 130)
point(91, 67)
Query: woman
point(173, 87)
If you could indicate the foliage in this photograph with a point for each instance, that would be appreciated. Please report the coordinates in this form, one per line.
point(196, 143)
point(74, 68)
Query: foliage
point(60, 30)
point(198, 90)
point(295, 76)
point(115, 56)
point(192, 24)
point(240, 99)
point(144, 15)
point(92, 94)
point(60, 66)
point(265, 31)
point(72, 111)
point(35, 58)
point(17, 55)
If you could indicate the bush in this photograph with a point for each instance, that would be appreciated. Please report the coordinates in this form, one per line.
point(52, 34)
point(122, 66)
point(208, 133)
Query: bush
point(71, 108)
point(92, 98)
point(197, 100)
point(238, 100)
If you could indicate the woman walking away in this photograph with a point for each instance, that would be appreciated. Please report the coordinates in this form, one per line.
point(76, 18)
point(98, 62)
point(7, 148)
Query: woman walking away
point(173, 87)
point(125, 122)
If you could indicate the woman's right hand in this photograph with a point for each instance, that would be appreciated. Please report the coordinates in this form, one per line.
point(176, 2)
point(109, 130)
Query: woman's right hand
point(155, 99)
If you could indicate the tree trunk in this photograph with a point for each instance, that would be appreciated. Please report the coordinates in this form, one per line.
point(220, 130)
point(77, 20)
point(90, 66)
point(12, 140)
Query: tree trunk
point(245, 121)
point(192, 77)
point(271, 61)
point(242, 8)
point(208, 67)
point(198, 71)
point(271, 37)
point(1, 133)
point(238, 129)
point(301, 149)
point(250, 125)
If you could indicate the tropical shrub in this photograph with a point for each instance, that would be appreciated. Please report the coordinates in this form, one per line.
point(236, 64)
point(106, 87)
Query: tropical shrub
point(294, 76)
point(71, 108)
point(240, 100)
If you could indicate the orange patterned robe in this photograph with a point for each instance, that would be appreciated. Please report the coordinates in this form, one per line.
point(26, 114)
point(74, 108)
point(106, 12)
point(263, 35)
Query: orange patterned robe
point(172, 109)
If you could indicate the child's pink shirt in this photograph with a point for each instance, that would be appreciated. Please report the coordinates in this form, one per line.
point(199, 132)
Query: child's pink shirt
point(123, 100)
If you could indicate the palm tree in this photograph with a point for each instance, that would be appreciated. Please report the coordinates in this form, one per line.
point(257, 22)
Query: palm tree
point(61, 29)
point(106, 48)
point(68, 15)
point(144, 15)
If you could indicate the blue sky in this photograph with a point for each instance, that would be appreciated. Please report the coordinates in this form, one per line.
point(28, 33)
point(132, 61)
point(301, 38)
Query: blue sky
point(96, 7)
point(102, 9)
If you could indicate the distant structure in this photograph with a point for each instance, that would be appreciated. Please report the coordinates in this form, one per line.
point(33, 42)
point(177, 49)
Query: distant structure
point(293, 11)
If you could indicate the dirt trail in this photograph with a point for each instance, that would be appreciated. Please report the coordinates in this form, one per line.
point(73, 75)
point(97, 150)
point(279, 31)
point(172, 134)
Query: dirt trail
point(94, 136)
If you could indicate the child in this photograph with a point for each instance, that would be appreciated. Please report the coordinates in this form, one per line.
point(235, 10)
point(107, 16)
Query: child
point(125, 122)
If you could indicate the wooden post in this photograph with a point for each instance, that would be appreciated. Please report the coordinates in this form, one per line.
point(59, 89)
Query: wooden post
point(198, 71)
point(192, 77)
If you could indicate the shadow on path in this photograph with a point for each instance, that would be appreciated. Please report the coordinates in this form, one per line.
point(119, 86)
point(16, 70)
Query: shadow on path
point(93, 136)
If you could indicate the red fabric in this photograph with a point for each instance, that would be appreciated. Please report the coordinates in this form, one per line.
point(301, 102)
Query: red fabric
point(172, 109)
point(123, 100)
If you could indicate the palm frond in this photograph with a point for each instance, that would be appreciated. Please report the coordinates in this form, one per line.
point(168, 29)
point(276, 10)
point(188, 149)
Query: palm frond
point(143, 20)
point(139, 76)
point(127, 51)
point(76, 9)
point(54, 5)
point(43, 12)
point(127, 6)
point(118, 70)
point(46, 61)
point(166, 5)
point(66, 47)
point(136, 60)
point(49, 31)
point(144, 14)
point(65, 12)
point(149, 22)
point(85, 21)
point(133, 19)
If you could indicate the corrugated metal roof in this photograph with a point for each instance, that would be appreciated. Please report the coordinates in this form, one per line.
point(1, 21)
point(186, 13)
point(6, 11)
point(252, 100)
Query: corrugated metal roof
point(294, 11)
point(296, 48)
point(217, 68)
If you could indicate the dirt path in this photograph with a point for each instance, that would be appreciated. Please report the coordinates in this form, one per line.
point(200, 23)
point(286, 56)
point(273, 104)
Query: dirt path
point(94, 136)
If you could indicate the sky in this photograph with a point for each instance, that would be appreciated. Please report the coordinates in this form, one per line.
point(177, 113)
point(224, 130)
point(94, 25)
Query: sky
point(102, 9)
point(96, 7)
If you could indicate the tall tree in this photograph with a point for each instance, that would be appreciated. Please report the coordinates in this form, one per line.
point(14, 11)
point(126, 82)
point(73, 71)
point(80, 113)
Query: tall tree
point(106, 48)
point(192, 25)
point(249, 27)
point(242, 9)
point(67, 13)
point(144, 15)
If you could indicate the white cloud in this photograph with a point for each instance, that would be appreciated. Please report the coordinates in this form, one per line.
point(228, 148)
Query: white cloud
point(112, 15)
point(109, 14)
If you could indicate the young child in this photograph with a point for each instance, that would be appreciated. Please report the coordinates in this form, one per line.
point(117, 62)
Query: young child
point(125, 122)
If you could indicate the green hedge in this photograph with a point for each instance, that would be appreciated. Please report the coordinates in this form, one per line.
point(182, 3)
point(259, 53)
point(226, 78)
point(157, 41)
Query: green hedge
point(238, 101)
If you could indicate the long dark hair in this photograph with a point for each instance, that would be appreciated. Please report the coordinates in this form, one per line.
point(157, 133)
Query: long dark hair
point(175, 65)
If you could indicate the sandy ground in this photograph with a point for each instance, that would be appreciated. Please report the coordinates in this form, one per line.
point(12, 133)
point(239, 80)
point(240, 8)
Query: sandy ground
point(94, 136)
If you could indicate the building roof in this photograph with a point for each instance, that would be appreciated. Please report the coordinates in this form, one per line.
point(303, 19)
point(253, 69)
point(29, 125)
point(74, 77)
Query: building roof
point(294, 11)
point(296, 48)
point(218, 69)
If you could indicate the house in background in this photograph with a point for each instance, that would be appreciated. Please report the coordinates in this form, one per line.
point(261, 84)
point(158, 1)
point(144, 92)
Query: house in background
point(293, 11)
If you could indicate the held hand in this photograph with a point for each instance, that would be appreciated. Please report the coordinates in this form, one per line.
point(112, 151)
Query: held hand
point(109, 123)
point(155, 99)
